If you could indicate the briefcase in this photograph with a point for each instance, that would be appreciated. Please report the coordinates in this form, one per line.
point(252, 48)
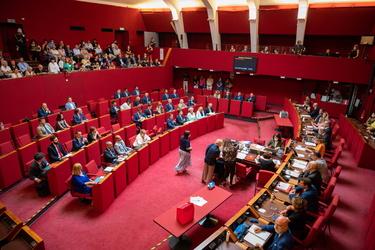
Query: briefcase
point(185, 212)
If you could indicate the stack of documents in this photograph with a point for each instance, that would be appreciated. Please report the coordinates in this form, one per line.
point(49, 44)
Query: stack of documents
point(197, 200)
point(293, 174)
point(282, 186)
point(310, 144)
point(299, 147)
point(305, 116)
point(241, 155)
point(299, 164)
point(256, 238)
point(260, 147)
point(108, 169)
point(277, 162)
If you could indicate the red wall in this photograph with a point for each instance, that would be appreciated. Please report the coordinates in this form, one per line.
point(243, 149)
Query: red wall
point(25, 95)
point(277, 40)
point(235, 39)
point(306, 67)
point(52, 19)
point(199, 40)
point(157, 21)
point(234, 22)
point(342, 44)
point(274, 88)
point(277, 22)
point(196, 21)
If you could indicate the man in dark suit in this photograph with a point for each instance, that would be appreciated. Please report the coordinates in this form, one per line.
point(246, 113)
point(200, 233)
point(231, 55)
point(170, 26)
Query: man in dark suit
point(311, 172)
point(125, 93)
point(146, 99)
point(227, 96)
point(171, 124)
point(44, 111)
point(109, 153)
point(174, 94)
point(148, 112)
point(165, 96)
point(314, 113)
point(180, 119)
point(251, 98)
point(36, 171)
point(327, 136)
point(136, 91)
point(191, 102)
point(79, 117)
point(139, 117)
point(56, 151)
point(306, 190)
point(238, 97)
point(169, 106)
point(118, 94)
point(317, 118)
point(79, 141)
point(113, 111)
point(121, 62)
point(209, 110)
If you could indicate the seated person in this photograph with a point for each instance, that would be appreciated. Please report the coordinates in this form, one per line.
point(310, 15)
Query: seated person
point(80, 181)
point(191, 102)
point(126, 105)
point(139, 117)
point(320, 146)
point(276, 142)
point(315, 112)
point(141, 139)
point(113, 111)
point(282, 238)
point(137, 102)
point(44, 111)
point(370, 120)
point(180, 119)
point(296, 215)
point(322, 165)
point(79, 141)
point(217, 94)
point(181, 105)
point(209, 110)
point(174, 94)
point(311, 172)
point(251, 98)
point(267, 163)
point(148, 112)
point(110, 155)
point(307, 191)
point(126, 93)
point(36, 171)
point(56, 151)
point(171, 124)
point(40, 70)
point(191, 115)
point(118, 94)
point(159, 108)
point(165, 96)
point(44, 128)
point(238, 97)
point(200, 113)
point(120, 146)
point(227, 95)
point(93, 135)
point(70, 104)
point(169, 106)
point(326, 133)
point(146, 99)
point(79, 117)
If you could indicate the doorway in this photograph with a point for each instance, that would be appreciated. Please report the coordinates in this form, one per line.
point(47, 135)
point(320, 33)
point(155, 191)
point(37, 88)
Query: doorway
point(8, 40)
point(122, 38)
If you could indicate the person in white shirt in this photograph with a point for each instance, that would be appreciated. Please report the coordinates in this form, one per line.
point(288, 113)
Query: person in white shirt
point(126, 105)
point(98, 50)
point(181, 105)
point(16, 74)
point(89, 46)
point(120, 146)
point(116, 51)
point(70, 104)
point(61, 62)
point(6, 69)
point(191, 116)
point(53, 67)
point(200, 114)
point(141, 139)
point(209, 83)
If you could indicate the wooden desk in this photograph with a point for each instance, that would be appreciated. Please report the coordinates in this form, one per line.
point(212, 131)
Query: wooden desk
point(168, 221)
point(103, 194)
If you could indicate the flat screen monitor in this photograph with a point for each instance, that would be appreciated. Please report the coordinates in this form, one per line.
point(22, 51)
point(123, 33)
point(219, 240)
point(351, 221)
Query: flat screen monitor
point(245, 63)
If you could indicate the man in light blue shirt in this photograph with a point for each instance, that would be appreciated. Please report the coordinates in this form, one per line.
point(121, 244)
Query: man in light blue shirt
point(70, 104)
point(22, 65)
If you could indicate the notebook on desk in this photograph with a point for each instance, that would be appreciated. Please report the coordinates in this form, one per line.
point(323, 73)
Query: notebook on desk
point(256, 238)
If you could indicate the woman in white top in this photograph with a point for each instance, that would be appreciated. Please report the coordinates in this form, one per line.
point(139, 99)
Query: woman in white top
point(181, 105)
point(29, 72)
point(200, 113)
point(16, 74)
point(217, 94)
point(53, 67)
point(141, 139)
point(191, 116)
point(55, 53)
point(126, 105)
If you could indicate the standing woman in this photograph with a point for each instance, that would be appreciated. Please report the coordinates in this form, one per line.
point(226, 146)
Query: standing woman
point(228, 85)
point(219, 84)
point(196, 82)
point(229, 155)
point(185, 157)
point(202, 82)
point(21, 43)
point(355, 52)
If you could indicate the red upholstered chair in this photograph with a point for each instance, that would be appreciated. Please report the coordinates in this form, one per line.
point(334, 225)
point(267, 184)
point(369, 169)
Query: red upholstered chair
point(312, 235)
point(27, 168)
point(88, 116)
point(242, 172)
point(337, 172)
point(91, 169)
point(104, 164)
point(326, 195)
point(6, 147)
point(160, 131)
point(23, 140)
point(335, 131)
point(341, 143)
point(131, 140)
point(333, 122)
point(102, 131)
point(68, 146)
point(262, 178)
point(115, 127)
point(259, 141)
point(333, 162)
point(69, 184)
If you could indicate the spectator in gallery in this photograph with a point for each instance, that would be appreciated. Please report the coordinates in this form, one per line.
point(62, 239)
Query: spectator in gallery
point(104, 66)
point(228, 85)
point(13, 65)
point(53, 67)
point(196, 82)
point(40, 70)
point(126, 105)
point(210, 82)
point(35, 50)
point(185, 82)
point(355, 52)
point(238, 97)
point(219, 84)
point(299, 49)
point(217, 94)
point(265, 50)
point(22, 65)
point(232, 49)
point(245, 49)
point(16, 74)
point(202, 82)
point(191, 102)
point(29, 72)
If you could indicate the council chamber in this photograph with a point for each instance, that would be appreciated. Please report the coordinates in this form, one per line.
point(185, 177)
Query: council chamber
point(187, 124)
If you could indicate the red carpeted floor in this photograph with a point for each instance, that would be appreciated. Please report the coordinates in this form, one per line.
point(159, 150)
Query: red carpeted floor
point(128, 222)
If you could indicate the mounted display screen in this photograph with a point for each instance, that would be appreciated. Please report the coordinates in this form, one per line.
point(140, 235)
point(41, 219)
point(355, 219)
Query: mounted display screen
point(245, 63)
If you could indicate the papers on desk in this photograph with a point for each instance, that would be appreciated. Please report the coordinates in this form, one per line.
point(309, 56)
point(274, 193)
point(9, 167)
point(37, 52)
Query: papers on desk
point(301, 155)
point(310, 144)
point(98, 179)
point(120, 159)
point(305, 116)
point(197, 200)
point(260, 147)
point(108, 169)
point(68, 154)
point(256, 238)
point(277, 162)
point(299, 147)
point(285, 187)
point(293, 174)
point(299, 164)
point(309, 127)
point(241, 155)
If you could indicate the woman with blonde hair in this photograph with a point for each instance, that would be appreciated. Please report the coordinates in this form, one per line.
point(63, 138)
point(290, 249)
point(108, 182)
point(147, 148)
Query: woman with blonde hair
point(80, 181)
point(200, 114)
